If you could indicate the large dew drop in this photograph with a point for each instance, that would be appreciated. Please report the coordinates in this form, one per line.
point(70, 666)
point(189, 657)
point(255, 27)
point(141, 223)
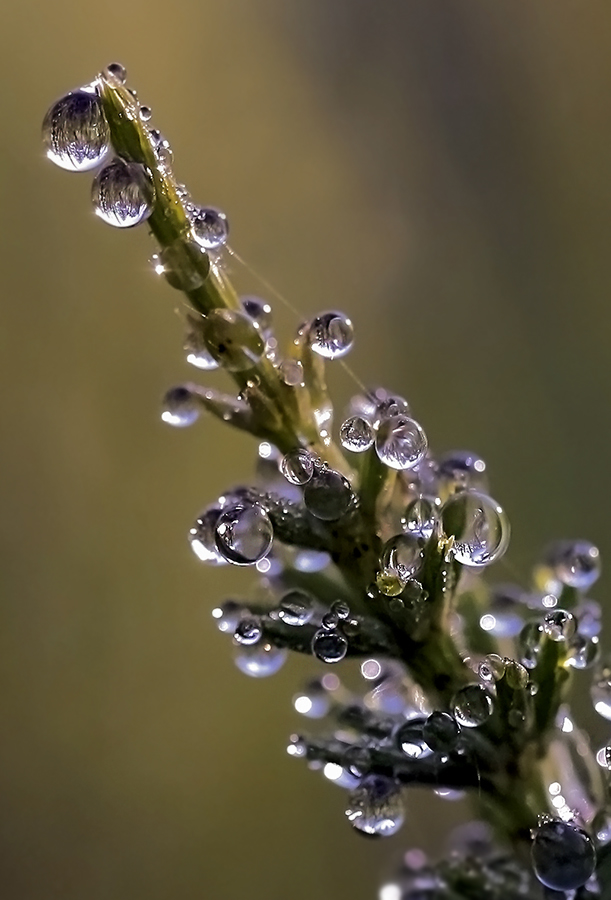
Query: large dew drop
point(356, 434)
point(123, 194)
point(574, 563)
point(260, 660)
point(400, 442)
point(472, 705)
point(244, 534)
point(375, 807)
point(328, 495)
point(563, 855)
point(209, 227)
point(75, 133)
point(233, 339)
point(331, 335)
point(329, 645)
point(479, 526)
point(180, 407)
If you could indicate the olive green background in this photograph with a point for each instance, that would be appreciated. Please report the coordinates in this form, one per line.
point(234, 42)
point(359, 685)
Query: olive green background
point(441, 170)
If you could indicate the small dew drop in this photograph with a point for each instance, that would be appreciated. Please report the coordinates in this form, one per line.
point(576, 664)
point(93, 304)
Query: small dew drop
point(115, 73)
point(479, 526)
point(574, 563)
point(331, 335)
point(420, 517)
point(209, 227)
point(145, 113)
point(291, 372)
point(248, 631)
point(329, 646)
point(375, 807)
point(492, 668)
point(296, 608)
point(559, 625)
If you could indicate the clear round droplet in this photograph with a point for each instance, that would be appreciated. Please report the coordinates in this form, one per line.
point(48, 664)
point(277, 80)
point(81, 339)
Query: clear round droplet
point(440, 731)
point(184, 264)
point(297, 466)
point(563, 855)
point(420, 517)
point(198, 354)
point(461, 470)
point(390, 582)
point(75, 132)
point(123, 194)
point(410, 739)
point(479, 526)
point(296, 608)
point(248, 631)
point(574, 563)
point(492, 668)
point(115, 73)
point(472, 705)
point(329, 646)
point(202, 537)
point(516, 675)
point(400, 442)
point(340, 609)
point(233, 339)
point(260, 660)
point(244, 534)
point(404, 554)
point(145, 113)
point(327, 495)
point(291, 372)
point(356, 434)
point(375, 807)
point(559, 625)
point(331, 335)
point(258, 310)
point(180, 407)
point(209, 227)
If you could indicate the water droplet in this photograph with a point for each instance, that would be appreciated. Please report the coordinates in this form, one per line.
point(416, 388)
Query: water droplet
point(516, 675)
point(202, 537)
point(331, 335)
point(492, 668)
point(180, 407)
point(184, 264)
point(260, 660)
point(244, 534)
point(583, 652)
point(400, 442)
point(420, 517)
point(329, 646)
point(356, 434)
point(530, 640)
point(461, 470)
point(330, 620)
point(574, 563)
point(563, 855)
point(209, 227)
point(75, 133)
point(403, 554)
point(357, 760)
point(198, 354)
point(123, 194)
point(603, 757)
point(258, 310)
point(296, 608)
point(390, 582)
point(340, 609)
point(410, 739)
point(328, 495)
point(559, 625)
point(297, 466)
point(115, 73)
point(291, 372)
point(440, 731)
point(248, 631)
point(479, 526)
point(601, 689)
point(375, 807)
point(233, 339)
point(145, 113)
point(472, 705)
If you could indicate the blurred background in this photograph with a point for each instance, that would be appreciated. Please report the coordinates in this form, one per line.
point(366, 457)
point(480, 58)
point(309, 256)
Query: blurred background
point(441, 171)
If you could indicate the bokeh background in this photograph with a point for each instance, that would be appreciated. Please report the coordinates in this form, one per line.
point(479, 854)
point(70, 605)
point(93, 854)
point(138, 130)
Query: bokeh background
point(441, 171)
